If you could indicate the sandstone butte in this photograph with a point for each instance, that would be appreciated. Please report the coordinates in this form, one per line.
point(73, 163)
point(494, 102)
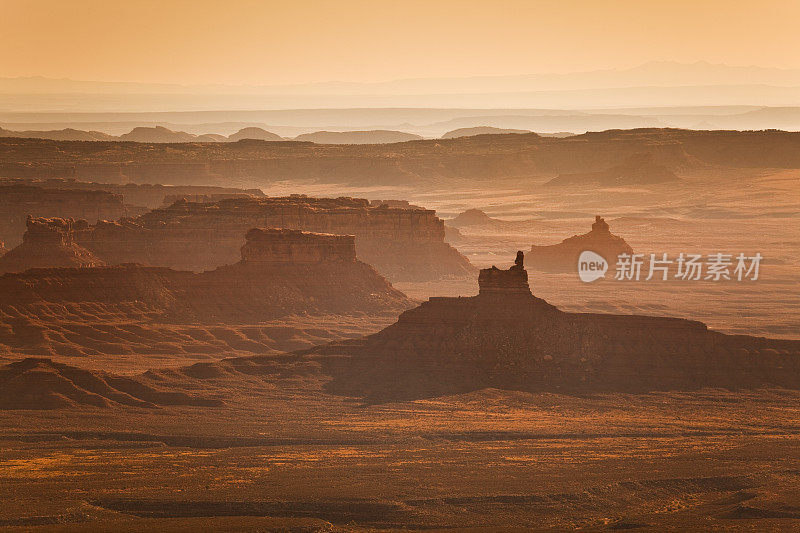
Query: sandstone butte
point(119, 309)
point(507, 338)
point(563, 257)
point(402, 243)
point(48, 242)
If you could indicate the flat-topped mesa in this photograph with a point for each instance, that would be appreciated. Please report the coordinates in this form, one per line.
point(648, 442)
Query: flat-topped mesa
point(296, 247)
point(511, 282)
point(401, 243)
point(282, 273)
point(563, 257)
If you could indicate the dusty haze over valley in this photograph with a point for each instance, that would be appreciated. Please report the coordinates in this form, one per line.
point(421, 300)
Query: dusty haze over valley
point(377, 266)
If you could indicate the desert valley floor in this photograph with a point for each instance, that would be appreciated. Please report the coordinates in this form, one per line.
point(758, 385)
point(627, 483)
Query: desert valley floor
point(222, 426)
point(294, 458)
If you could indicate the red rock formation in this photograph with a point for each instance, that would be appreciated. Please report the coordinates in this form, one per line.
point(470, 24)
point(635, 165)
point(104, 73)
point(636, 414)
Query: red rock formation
point(83, 311)
point(403, 244)
point(288, 272)
point(19, 201)
point(511, 282)
point(450, 345)
point(563, 257)
point(48, 242)
point(296, 247)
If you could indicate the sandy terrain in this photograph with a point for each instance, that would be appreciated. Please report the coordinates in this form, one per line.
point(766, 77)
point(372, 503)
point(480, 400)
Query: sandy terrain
point(286, 454)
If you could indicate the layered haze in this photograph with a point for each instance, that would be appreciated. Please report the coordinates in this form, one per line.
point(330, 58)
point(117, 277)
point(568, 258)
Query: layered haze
point(321, 265)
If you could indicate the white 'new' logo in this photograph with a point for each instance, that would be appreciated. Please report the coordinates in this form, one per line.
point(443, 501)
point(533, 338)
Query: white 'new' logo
point(591, 266)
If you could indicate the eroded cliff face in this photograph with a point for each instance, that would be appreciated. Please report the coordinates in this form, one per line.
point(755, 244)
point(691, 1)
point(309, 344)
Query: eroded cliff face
point(17, 202)
point(296, 247)
point(285, 272)
point(402, 243)
point(482, 158)
point(121, 309)
point(563, 257)
point(49, 242)
point(140, 197)
point(513, 340)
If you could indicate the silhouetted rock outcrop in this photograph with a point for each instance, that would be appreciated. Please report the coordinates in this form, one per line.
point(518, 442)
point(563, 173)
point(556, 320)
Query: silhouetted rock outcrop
point(49, 242)
point(160, 134)
point(254, 133)
point(472, 217)
point(507, 338)
point(511, 282)
point(67, 134)
point(402, 243)
point(563, 257)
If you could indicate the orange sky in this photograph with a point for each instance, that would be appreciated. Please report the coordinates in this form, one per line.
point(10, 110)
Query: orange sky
point(288, 41)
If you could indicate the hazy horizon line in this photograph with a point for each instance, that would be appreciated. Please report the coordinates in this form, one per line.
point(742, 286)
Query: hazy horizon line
point(508, 76)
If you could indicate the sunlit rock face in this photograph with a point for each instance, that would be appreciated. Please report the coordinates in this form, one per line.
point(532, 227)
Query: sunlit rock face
point(49, 242)
point(563, 257)
point(401, 243)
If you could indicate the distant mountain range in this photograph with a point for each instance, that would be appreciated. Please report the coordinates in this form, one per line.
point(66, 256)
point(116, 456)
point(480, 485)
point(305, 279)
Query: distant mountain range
point(370, 126)
point(160, 134)
point(156, 134)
